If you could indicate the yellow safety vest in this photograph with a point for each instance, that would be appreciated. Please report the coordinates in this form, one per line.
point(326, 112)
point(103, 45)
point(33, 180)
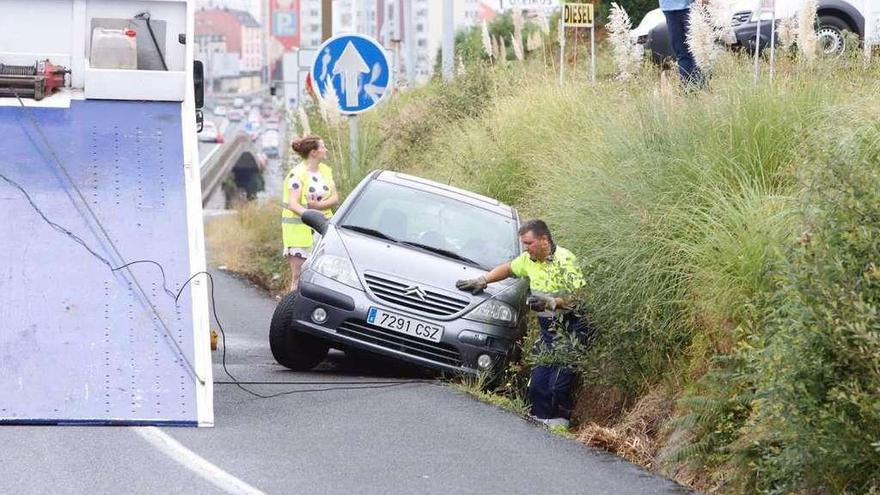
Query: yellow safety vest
point(294, 233)
point(557, 276)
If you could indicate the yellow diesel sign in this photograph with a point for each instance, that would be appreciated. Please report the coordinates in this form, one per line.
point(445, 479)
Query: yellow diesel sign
point(577, 14)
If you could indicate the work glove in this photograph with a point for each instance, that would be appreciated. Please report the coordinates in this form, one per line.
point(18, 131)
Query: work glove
point(474, 285)
point(541, 302)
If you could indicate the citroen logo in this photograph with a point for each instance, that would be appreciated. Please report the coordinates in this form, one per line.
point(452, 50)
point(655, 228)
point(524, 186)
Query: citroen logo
point(417, 291)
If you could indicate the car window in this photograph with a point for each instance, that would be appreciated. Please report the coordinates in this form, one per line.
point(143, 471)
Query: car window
point(411, 215)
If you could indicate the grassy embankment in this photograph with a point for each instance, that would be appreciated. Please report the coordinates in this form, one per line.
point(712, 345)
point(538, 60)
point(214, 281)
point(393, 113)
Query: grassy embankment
point(730, 239)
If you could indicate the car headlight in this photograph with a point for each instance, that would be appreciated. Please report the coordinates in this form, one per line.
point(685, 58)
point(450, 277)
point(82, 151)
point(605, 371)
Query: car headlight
point(493, 311)
point(763, 16)
point(337, 268)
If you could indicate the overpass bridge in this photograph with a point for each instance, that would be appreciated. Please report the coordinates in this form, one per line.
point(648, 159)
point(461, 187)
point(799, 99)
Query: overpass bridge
point(237, 156)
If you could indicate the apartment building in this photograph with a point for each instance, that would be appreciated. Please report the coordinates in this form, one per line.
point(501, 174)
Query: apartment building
point(310, 23)
point(223, 32)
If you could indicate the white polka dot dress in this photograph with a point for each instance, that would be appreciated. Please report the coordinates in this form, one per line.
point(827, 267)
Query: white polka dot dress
point(317, 189)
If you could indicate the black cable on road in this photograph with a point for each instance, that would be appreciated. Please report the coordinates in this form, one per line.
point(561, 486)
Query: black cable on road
point(346, 385)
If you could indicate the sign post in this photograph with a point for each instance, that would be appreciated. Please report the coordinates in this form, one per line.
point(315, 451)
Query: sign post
point(561, 52)
point(353, 72)
point(766, 6)
point(577, 15)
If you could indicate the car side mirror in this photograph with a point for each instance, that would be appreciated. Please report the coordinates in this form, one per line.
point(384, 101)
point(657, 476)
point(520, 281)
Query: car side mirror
point(316, 220)
point(199, 83)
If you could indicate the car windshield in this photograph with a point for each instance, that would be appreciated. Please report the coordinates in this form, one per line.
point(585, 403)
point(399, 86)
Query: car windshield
point(436, 222)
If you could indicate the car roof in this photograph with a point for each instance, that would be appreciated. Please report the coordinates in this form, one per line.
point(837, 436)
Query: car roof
point(446, 190)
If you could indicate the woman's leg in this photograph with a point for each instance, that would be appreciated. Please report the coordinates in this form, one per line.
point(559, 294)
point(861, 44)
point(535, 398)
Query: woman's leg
point(296, 263)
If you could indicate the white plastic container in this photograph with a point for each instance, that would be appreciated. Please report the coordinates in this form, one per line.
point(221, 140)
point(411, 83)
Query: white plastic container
point(113, 49)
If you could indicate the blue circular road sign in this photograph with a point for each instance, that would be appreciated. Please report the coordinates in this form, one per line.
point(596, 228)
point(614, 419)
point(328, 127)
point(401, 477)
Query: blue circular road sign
point(353, 70)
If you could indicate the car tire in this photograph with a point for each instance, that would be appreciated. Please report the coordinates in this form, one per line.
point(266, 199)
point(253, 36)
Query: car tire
point(831, 31)
point(291, 348)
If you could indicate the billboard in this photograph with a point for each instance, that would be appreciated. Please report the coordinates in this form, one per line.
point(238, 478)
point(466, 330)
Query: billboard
point(284, 21)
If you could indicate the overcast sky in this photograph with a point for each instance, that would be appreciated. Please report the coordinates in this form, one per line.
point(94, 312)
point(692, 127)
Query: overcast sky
point(253, 6)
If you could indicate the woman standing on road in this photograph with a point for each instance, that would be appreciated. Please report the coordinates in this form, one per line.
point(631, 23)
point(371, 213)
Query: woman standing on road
point(308, 185)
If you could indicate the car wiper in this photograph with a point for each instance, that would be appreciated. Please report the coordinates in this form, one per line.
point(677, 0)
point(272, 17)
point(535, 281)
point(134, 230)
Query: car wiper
point(369, 231)
point(443, 252)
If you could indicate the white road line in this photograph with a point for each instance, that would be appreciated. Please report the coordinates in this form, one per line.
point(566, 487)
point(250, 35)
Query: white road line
point(194, 462)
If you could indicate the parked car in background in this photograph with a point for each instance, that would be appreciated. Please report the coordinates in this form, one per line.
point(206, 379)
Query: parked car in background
point(235, 115)
point(220, 111)
point(269, 143)
point(210, 133)
point(238, 103)
point(835, 18)
point(252, 129)
point(382, 280)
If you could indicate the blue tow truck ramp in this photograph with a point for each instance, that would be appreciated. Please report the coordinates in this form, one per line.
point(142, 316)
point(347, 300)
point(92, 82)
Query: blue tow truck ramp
point(100, 174)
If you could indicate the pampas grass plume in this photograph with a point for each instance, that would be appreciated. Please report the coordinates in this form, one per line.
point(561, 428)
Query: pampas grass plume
point(516, 38)
point(487, 40)
point(304, 121)
point(806, 35)
point(702, 36)
point(619, 28)
point(786, 32)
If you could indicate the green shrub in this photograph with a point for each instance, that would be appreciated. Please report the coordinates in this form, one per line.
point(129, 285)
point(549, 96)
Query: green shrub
point(817, 410)
point(635, 8)
point(796, 408)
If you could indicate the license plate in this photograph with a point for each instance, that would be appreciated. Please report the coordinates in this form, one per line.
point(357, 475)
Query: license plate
point(405, 325)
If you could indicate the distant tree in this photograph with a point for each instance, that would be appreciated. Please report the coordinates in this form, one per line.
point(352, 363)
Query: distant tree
point(635, 8)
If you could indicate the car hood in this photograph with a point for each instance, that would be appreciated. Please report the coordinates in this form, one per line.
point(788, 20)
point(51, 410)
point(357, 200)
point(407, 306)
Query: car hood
point(651, 19)
point(370, 254)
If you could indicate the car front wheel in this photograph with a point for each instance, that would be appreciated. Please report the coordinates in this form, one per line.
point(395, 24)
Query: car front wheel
point(290, 347)
point(832, 41)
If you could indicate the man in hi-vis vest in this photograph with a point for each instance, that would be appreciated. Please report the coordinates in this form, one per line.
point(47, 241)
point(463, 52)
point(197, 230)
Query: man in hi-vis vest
point(553, 276)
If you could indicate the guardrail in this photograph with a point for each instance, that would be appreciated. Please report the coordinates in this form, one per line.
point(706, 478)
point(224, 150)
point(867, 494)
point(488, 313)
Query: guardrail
point(222, 160)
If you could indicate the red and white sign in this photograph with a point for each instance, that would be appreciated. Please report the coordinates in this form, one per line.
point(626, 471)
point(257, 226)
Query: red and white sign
point(284, 20)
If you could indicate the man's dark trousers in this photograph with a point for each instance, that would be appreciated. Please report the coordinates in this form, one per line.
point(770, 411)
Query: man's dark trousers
point(550, 386)
point(678, 24)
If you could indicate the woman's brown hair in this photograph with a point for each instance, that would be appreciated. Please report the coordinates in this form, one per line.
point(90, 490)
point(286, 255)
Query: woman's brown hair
point(305, 145)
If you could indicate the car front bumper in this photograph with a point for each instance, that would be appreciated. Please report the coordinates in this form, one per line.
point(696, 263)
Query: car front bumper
point(346, 327)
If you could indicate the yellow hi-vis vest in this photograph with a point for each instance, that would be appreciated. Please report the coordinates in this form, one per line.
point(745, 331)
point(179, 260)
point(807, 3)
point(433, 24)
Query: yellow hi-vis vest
point(558, 275)
point(294, 233)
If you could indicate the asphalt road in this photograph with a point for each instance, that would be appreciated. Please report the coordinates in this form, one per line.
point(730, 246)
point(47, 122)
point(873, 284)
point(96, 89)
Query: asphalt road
point(412, 438)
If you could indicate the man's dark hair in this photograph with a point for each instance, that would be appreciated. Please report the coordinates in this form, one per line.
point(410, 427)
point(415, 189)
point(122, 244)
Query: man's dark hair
point(536, 227)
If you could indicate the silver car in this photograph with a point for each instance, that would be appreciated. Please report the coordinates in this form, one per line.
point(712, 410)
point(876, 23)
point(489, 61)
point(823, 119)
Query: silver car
point(382, 280)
